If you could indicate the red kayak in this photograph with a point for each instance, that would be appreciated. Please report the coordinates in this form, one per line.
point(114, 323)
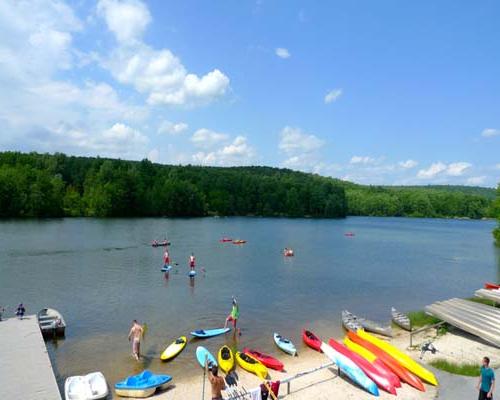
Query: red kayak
point(311, 340)
point(374, 371)
point(265, 359)
point(225, 240)
point(389, 361)
point(489, 285)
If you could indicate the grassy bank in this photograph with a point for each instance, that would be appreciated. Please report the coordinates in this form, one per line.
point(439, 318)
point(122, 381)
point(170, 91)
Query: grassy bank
point(466, 369)
point(420, 318)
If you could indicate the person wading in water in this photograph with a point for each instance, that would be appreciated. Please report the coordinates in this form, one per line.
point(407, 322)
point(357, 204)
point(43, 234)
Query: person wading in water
point(135, 336)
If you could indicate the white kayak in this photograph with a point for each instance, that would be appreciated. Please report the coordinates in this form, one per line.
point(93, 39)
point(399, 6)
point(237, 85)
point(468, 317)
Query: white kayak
point(88, 387)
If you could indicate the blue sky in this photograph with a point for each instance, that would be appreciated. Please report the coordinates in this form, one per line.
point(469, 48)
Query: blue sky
point(378, 92)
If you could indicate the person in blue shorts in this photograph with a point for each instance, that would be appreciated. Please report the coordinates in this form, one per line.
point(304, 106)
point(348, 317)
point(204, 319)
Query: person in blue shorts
point(486, 382)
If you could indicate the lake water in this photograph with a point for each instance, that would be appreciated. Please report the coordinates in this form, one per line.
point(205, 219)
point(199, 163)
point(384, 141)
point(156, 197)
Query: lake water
point(101, 274)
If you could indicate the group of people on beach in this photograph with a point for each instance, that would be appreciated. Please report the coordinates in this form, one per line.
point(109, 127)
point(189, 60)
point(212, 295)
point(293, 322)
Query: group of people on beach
point(20, 311)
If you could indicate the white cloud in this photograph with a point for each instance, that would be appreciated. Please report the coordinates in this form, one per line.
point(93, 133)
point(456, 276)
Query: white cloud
point(458, 168)
point(207, 138)
point(281, 52)
point(476, 180)
point(333, 95)
point(362, 160)
point(432, 171)
point(172, 128)
point(497, 166)
point(154, 155)
point(238, 152)
point(408, 164)
point(294, 140)
point(490, 132)
point(127, 19)
point(439, 168)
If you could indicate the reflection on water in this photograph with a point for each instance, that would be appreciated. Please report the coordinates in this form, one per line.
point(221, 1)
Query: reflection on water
point(102, 274)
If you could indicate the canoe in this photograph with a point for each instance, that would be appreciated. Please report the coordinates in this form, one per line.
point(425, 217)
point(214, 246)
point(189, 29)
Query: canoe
point(203, 355)
point(350, 369)
point(88, 387)
point(267, 360)
point(166, 268)
point(400, 319)
point(367, 324)
point(161, 244)
point(51, 322)
point(489, 285)
point(251, 364)
point(403, 359)
point(192, 274)
point(350, 322)
point(372, 371)
point(239, 241)
point(389, 361)
point(288, 253)
point(174, 348)
point(142, 385)
point(285, 344)
point(225, 358)
point(311, 340)
point(207, 333)
point(370, 357)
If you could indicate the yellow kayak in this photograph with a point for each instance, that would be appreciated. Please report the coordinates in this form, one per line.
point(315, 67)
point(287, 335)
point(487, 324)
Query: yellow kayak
point(225, 359)
point(251, 364)
point(360, 350)
point(173, 349)
point(403, 359)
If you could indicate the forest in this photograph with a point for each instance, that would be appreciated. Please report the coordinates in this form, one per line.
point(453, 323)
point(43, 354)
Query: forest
point(44, 185)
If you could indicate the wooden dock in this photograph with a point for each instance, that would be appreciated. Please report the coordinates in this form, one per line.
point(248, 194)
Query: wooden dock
point(478, 319)
point(493, 295)
point(25, 369)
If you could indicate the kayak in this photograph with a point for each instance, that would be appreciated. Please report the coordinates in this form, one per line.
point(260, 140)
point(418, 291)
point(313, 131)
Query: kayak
point(372, 371)
point(225, 358)
point(368, 324)
point(400, 319)
point(311, 340)
point(207, 333)
point(350, 369)
point(267, 360)
point(192, 274)
point(389, 361)
point(225, 240)
point(92, 386)
point(288, 253)
point(403, 359)
point(370, 357)
point(349, 234)
point(142, 385)
point(161, 244)
point(251, 364)
point(350, 322)
point(166, 268)
point(174, 348)
point(203, 355)
point(285, 344)
point(489, 285)
point(239, 241)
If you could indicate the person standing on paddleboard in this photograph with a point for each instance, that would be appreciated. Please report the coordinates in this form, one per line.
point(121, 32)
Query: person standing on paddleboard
point(166, 258)
point(234, 315)
point(192, 261)
point(135, 336)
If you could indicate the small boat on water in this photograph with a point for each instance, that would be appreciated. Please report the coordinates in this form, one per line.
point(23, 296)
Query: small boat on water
point(350, 322)
point(366, 324)
point(490, 285)
point(288, 252)
point(88, 387)
point(142, 385)
point(285, 344)
point(160, 244)
point(349, 234)
point(208, 333)
point(400, 319)
point(225, 240)
point(239, 241)
point(51, 322)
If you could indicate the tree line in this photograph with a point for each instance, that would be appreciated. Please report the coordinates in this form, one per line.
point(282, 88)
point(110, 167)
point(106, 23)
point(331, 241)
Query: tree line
point(44, 185)
point(496, 212)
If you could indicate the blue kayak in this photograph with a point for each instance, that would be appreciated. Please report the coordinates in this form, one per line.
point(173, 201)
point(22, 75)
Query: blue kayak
point(166, 268)
point(348, 367)
point(144, 383)
point(285, 344)
point(206, 333)
point(203, 355)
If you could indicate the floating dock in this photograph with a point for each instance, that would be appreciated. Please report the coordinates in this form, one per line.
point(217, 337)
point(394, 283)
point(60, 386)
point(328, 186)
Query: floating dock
point(493, 295)
point(25, 370)
point(478, 319)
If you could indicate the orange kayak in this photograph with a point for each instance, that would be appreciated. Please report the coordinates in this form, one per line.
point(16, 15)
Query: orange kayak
point(388, 360)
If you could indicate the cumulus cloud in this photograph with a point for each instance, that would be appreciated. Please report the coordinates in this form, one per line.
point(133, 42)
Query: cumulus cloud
point(172, 128)
point(281, 52)
point(333, 95)
point(408, 164)
point(458, 168)
point(238, 152)
point(363, 160)
point(440, 168)
point(207, 138)
point(294, 140)
point(490, 132)
point(154, 155)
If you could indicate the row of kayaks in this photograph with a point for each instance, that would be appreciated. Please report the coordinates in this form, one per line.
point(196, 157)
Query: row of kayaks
point(353, 323)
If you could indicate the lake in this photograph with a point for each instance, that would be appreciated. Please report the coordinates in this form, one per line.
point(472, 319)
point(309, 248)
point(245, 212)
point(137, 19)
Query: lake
point(102, 273)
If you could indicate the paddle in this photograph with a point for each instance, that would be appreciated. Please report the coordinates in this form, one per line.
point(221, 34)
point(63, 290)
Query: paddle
point(204, 377)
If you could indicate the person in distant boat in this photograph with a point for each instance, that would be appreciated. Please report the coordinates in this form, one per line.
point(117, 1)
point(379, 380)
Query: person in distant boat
point(217, 382)
point(2, 310)
point(234, 315)
point(20, 311)
point(134, 336)
point(192, 261)
point(166, 257)
point(486, 382)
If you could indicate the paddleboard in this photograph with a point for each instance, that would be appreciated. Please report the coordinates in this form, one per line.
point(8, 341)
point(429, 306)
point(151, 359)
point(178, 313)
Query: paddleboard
point(174, 348)
point(207, 333)
point(203, 355)
point(192, 274)
point(166, 268)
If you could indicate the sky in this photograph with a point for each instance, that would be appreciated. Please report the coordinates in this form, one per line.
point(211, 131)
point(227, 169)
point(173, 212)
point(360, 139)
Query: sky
point(375, 92)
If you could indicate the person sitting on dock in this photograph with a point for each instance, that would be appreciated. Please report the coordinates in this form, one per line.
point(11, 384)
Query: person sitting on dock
point(20, 311)
point(192, 261)
point(216, 381)
point(135, 336)
point(486, 383)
